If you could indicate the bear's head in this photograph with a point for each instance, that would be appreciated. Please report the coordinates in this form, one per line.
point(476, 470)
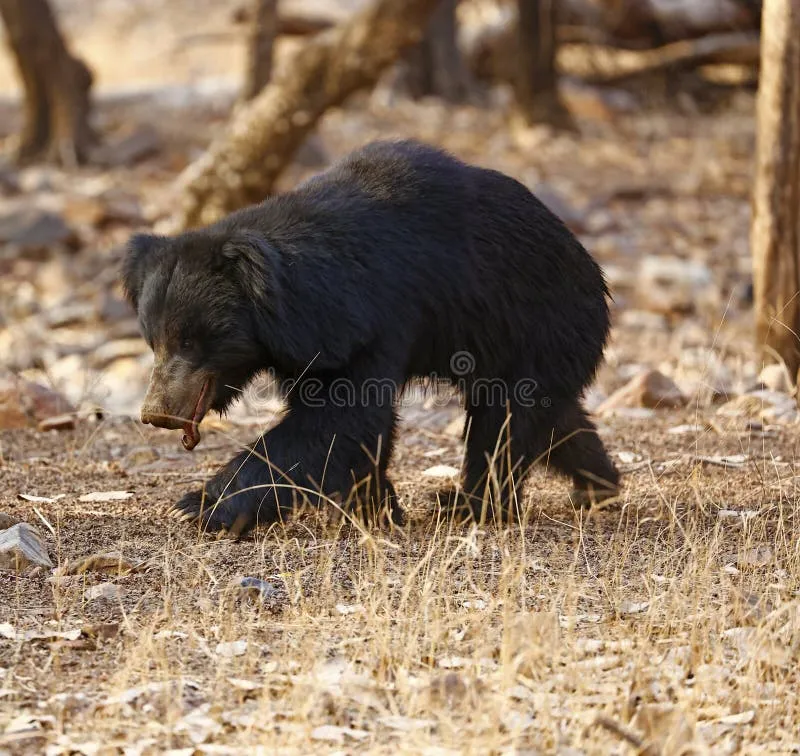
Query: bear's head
point(201, 298)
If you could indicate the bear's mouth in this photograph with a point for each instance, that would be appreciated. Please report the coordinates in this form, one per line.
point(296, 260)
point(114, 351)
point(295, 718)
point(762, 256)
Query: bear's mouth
point(191, 430)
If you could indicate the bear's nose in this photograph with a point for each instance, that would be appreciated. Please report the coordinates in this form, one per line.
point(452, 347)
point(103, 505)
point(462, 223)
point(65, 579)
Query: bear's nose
point(147, 416)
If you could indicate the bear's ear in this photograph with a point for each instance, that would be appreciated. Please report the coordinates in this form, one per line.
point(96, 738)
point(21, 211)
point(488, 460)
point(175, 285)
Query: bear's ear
point(140, 256)
point(255, 264)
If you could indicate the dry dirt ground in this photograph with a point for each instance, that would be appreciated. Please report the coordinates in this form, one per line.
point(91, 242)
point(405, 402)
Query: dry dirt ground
point(665, 623)
point(670, 617)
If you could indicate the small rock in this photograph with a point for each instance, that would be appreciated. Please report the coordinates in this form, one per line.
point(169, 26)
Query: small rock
point(39, 178)
point(121, 387)
point(24, 403)
point(25, 345)
point(73, 313)
point(703, 375)
point(593, 103)
point(776, 378)
point(755, 558)
point(650, 389)
point(762, 405)
point(642, 320)
point(107, 353)
point(138, 457)
point(141, 142)
point(7, 521)
point(113, 309)
point(455, 427)
point(122, 207)
point(9, 184)
point(32, 230)
point(20, 299)
point(22, 545)
point(101, 630)
point(670, 285)
point(84, 211)
point(105, 591)
point(257, 588)
point(620, 279)
point(232, 648)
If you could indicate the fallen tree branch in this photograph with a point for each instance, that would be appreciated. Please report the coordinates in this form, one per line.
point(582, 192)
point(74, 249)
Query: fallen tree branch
point(241, 166)
point(492, 55)
point(606, 65)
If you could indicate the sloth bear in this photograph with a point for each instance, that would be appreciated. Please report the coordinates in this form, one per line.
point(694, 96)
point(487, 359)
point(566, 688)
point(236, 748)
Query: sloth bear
point(398, 262)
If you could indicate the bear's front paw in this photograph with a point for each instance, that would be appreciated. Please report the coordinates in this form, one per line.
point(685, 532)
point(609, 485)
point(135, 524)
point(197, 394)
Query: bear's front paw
point(196, 506)
point(230, 512)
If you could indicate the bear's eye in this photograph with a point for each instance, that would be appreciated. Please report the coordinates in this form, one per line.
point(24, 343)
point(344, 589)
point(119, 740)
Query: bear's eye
point(187, 344)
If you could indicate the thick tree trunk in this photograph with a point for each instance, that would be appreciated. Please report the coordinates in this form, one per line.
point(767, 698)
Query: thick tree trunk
point(56, 85)
point(241, 166)
point(263, 27)
point(436, 66)
point(537, 79)
point(775, 237)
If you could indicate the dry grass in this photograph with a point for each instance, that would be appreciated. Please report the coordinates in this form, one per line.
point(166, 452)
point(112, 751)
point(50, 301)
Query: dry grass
point(657, 626)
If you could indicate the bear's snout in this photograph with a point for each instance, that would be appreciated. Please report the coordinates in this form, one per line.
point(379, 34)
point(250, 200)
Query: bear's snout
point(160, 407)
point(161, 417)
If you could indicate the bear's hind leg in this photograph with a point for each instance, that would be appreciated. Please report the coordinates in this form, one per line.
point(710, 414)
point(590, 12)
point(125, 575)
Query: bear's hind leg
point(576, 450)
point(497, 459)
point(373, 497)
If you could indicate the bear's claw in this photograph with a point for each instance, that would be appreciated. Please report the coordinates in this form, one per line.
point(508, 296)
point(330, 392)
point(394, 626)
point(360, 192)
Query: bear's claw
point(213, 515)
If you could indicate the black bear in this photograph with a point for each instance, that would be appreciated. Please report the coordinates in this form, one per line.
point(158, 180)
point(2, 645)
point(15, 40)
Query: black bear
point(398, 262)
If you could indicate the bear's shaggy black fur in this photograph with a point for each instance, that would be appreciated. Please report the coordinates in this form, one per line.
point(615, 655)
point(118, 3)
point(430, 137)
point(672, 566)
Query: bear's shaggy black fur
point(399, 261)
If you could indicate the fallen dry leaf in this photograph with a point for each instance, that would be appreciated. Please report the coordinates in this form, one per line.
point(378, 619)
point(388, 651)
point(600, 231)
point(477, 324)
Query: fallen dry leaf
point(724, 460)
point(241, 684)
point(105, 496)
point(406, 724)
point(41, 499)
point(349, 608)
point(333, 734)
point(111, 562)
point(441, 471)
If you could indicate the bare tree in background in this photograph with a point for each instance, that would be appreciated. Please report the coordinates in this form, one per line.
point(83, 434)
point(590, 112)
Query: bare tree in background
point(775, 236)
point(56, 85)
point(241, 166)
point(436, 66)
point(537, 78)
point(261, 38)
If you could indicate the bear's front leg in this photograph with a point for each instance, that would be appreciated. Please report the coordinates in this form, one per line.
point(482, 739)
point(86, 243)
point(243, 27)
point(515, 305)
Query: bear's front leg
point(337, 448)
point(248, 491)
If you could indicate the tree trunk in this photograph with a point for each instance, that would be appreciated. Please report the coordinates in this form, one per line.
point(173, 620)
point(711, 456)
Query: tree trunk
point(775, 236)
point(537, 79)
point(436, 66)
point(241, 166)
point(56, 85)
point(263, 27)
